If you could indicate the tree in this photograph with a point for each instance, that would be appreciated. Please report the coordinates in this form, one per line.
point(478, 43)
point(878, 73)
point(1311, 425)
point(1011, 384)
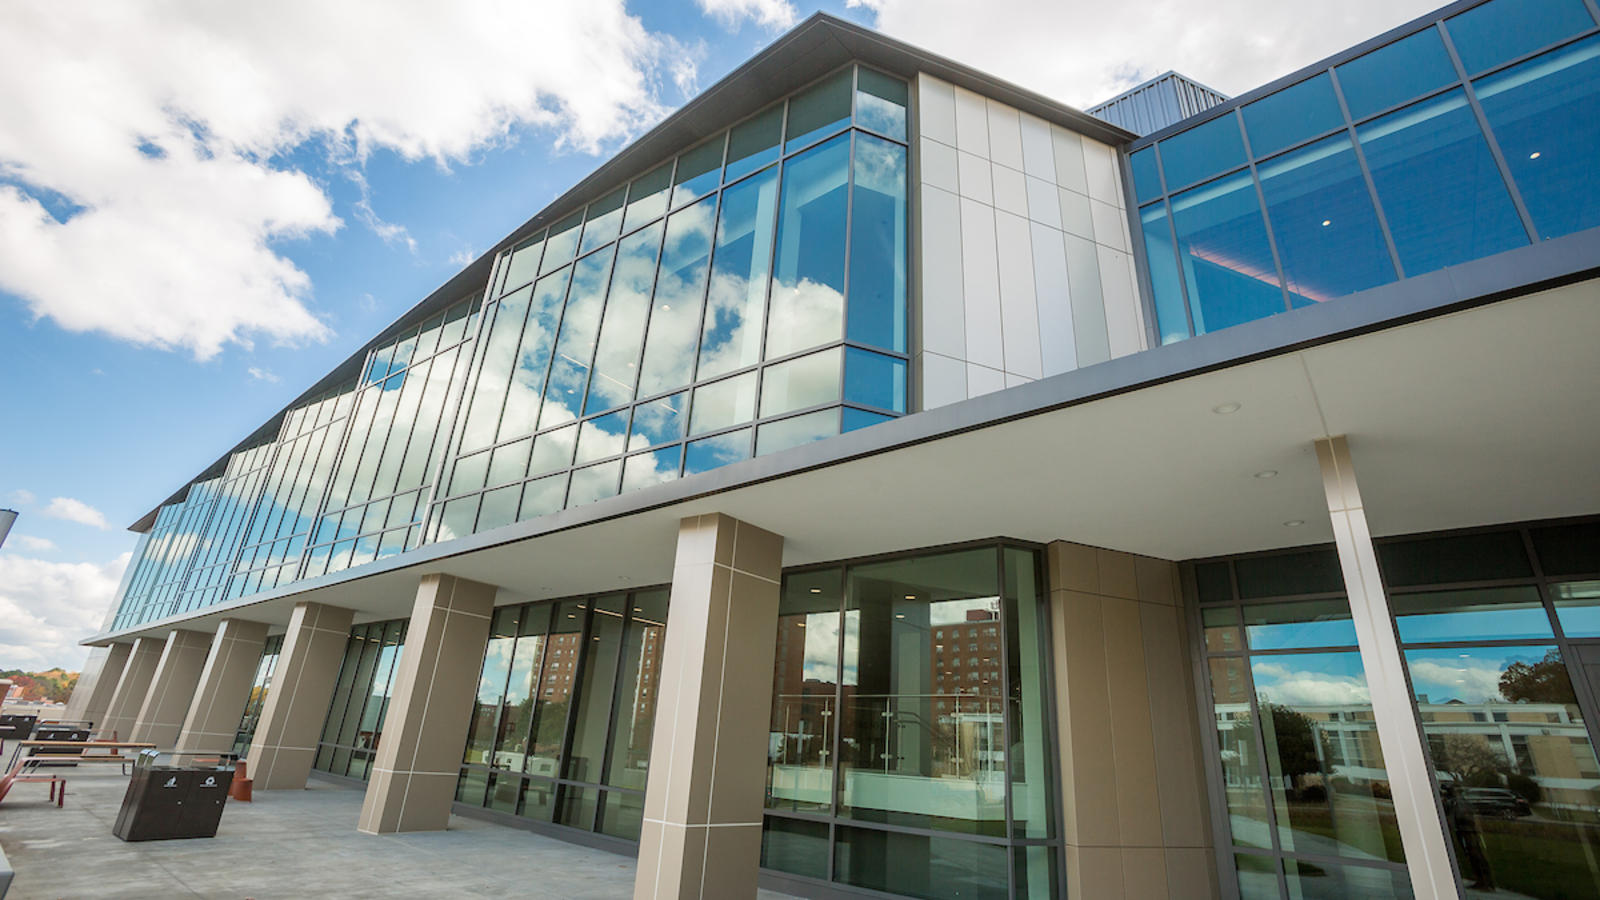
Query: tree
point(1546, 681)
point(1470, 760)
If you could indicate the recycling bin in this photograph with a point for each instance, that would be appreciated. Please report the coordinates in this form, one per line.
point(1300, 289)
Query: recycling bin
point(174, 795)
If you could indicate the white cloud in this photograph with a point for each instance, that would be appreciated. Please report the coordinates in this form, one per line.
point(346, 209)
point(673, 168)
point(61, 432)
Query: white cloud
point(463, 257)
point(35, 544)
point(1469, 680)
point(22, 497)
point(260, 374)
point(1279, 683)
point(772, 14)
point(76, 511)
point(1083, 53)
point(47, 607)
point(149, 165)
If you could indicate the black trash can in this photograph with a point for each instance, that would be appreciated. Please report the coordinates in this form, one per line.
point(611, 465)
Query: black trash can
point(16, 728)
point(77, 734)
point(174, 795)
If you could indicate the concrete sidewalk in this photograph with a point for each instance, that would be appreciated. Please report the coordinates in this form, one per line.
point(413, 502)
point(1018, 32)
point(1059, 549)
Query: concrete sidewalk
point(287, 844)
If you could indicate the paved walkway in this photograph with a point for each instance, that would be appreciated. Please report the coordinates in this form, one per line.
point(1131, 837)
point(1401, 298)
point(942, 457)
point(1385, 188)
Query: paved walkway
point(288, 844)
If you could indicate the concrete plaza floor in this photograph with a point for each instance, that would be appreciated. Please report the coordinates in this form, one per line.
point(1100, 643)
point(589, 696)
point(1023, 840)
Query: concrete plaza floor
point(287, 844)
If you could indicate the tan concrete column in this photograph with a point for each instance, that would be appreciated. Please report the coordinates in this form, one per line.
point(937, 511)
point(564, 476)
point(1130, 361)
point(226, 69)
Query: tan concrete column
point(212, 721)
point(91, 696)
point(703, 799)
point(1416, 808)
point(171, 688)
point(123, 710)
point(285, 742)
point(1133, 779)
point(419, 758)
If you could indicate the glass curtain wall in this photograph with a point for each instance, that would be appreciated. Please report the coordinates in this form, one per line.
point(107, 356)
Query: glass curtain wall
point(354, 726)
point(908, 748)
point(746, 297)
point(1473, 135)
point(566, 706)
point(259, 686)
point(1501, 643)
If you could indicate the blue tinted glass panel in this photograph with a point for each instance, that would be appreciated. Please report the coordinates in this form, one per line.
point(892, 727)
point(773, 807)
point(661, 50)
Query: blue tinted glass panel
point(1292, 115)
point(1492, 614)
point(710, 453)
point(675, 309)
point(1322, 218)
point(1306, 623)
point(807, 305)
point(1164, 277)
point(877, 304)
point(1146, 178)
point(872, 379)
point(580, 323)
point(602, 437)
point(860, 418)
point(754, 143)
point(1440, 190)
point(1505, 29)
point(659, 421)
point(881, 103)
point(792, 432)
point(562, 243)
point(1395, 73)
point(1202, 151)
point(1222, 243)
point(820, 110)
point(699, 172)
point(1546, 115)
point(605, 218)
point(655, 467)
point(731, 337)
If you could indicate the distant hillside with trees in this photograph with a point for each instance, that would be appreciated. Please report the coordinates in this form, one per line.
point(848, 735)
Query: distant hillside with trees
point(54, 686)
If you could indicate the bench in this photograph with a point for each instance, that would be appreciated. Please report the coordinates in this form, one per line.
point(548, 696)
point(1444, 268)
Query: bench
point(29, 756)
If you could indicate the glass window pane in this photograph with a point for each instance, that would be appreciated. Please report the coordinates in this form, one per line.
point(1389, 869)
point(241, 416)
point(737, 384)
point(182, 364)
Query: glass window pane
point(509, 462)
point(538, 799)
point(616, 363)
point(532, 358)
point(594, 483)
point(754, 142)
point(553, 450)
point(604, 219)
point(1440, 190)
point(1221, 624)
point(881, 103)
point(822, 108)
point(910, 690)
point(487, 398)
point(580, 322)
point(499, 508)
point(1469, 557)
point(1227, 261)
point(710, 453)
point(731, 337)
point(597, 682)
point(805, 681)
point(1281, 575)
point(659, 421)
point(1546, 115)
point(647, 197)
point(808, 275)
point(808, 381)
point(1578, 608)
point(920, 866)
point(1146, 178)
point(1292, 115)
point(853, 419)
point(1510, 614)
point(1407, 68)
point(699, 172)
point(1237, 749)
point(635, 714)
point(877, 307)
point(723, 403)
point(524, 263)
point(543, 496)
point(511, 742)
point(656, 467)
point(792, 845)
point(491, 687)
point(1258, 876)
point(1505, 29)
point(792, 432)
point(1515, 767)
point(1030, 747)
point(1202, 151)
point(1305, 623)
point(554, 691)
point(562, 243)
point(675, 311)
point(623, 816)
point(872, 379)
point(602, 437)
point(1568, 549)
point(1164, 278)
point(1322, 217)
point(1324, 879)
point(1327, 775)
point(456, 520)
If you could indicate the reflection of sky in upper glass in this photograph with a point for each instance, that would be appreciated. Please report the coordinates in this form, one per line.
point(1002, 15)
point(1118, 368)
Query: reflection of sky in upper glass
point(1467, 674)
point(1578, 608)
point(1490, 614)
point(1311, 679)
point(1309, 623)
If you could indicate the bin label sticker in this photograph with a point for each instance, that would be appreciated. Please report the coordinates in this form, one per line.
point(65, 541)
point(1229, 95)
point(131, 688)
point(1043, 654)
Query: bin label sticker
point(171, 782)
point(211, 781)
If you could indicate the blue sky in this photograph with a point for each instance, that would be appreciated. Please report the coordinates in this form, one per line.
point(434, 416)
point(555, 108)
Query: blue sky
point(203, 209)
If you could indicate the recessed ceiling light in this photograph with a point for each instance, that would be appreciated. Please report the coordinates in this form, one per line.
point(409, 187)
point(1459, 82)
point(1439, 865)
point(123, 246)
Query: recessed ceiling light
point(801, 624)
point(911, 596)
point(816, 590)
point(1533, 155)
point(1270, 473)
point(1294, 523)
point(1225, 409)
point(899, 615)
point(1326, 222)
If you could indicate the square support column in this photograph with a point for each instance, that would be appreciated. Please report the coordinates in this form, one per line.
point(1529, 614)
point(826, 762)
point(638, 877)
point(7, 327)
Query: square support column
point(128, 698)
point(212, 722)
point(91, 696)
point(1135, 813)
point(1416, 809)
point(291, 721)
point(172, 688)
point(703, 800)
point(419, 758)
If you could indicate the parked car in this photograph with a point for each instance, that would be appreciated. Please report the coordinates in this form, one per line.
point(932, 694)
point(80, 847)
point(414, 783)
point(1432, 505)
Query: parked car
point(1498, 802)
